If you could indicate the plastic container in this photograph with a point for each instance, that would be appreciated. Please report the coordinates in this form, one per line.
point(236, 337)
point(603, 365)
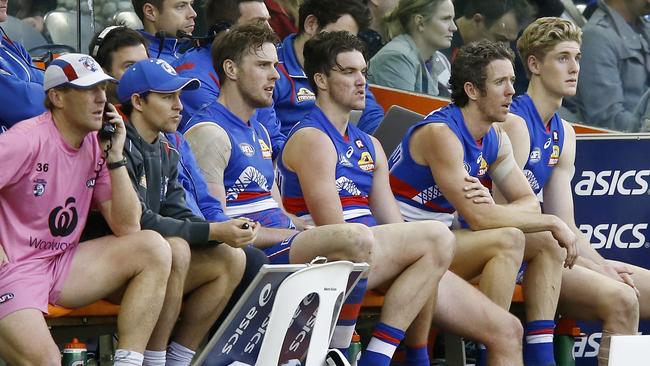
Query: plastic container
point(74, 354)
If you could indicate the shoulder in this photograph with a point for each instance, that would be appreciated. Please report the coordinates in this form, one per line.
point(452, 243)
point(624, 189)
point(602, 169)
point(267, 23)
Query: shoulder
point(569, 131)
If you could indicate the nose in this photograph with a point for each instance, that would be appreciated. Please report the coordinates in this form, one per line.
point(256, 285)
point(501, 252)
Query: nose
point(453, 26)
point(275, 75)
point(575, 66)
point(510, 88)
point(192, 12)
point(177, 103)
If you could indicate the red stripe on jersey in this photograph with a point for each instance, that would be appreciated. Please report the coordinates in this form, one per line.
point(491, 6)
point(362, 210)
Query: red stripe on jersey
point(407, 191)
point(185, 66)
point(245, 196)
point(294, 205)
point(354, 201)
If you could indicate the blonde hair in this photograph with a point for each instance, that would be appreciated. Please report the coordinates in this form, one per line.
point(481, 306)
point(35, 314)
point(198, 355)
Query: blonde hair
point(397, 21)
point(544, 34)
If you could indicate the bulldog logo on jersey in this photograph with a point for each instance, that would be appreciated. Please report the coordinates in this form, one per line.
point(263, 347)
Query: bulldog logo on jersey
point(247, 149)
point(555, 156)
point(305, 94)
point(366, 163)
point(39, 187)
point(266, 151)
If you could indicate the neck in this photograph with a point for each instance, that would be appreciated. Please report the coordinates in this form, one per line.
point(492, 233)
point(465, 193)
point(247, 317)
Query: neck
point(476, 122)
point(376, 23)
point(465, 29)
point(426, 51)
point(144, 130)
point(235, 103)
point(150, 28)
point(337, 115)
point(545, 102)
point(71, 135)
point(299, 46)
point(621, 8)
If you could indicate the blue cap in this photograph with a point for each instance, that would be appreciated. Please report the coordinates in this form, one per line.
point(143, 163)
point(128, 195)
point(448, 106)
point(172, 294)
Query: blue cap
point(152, 75)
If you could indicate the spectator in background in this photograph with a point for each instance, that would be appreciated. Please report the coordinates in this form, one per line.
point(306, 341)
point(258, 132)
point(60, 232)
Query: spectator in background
point(495, 20)
point(284, 16)
point(376, 35)
point(293, 96)
point(615, 66)
point(18, 79)
point(162, 21)
point(411, 61)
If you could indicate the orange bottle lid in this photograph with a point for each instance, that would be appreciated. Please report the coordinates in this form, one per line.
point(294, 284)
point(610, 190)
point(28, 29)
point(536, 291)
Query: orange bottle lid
point(75, 344)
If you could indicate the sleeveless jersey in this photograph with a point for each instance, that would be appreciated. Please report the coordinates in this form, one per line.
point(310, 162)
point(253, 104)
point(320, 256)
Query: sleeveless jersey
point(249, 176)
point(417, 193)
point(545, 143)
point(354, 170)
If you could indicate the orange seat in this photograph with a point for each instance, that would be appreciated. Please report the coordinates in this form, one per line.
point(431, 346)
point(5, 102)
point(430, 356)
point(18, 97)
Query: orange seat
point(375, 299)
point(99, 308)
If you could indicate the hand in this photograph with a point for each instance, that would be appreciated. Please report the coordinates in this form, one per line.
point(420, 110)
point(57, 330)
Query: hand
point(567, 239)
point(300, 224)
point(237, 232)
point(477, 192)
point(117, 141)
point(620, 272)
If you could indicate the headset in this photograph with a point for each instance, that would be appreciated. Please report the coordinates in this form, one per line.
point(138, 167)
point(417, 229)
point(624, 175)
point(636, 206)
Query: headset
point(100, 39)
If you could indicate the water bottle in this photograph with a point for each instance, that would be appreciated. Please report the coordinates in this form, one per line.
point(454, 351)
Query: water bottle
point(74, 354)
point(354, 352)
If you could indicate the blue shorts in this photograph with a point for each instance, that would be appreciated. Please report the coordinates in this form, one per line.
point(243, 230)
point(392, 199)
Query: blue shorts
point(367, 220)
point(277, 219)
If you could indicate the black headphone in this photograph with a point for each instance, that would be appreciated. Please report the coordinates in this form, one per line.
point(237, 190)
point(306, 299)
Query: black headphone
point(100, 39)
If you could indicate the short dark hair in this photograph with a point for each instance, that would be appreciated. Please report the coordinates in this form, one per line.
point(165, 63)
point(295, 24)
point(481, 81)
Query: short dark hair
point(127, 108)
point(234, 44)
point(327, 12)
point(493, 10)
point(227, 11)
point(114, 40)
point(139, 4)
point(470, 66)
point(322, 50)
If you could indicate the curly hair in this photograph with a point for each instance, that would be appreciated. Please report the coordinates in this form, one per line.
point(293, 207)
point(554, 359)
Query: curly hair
point(471, 66)
point(543, 34)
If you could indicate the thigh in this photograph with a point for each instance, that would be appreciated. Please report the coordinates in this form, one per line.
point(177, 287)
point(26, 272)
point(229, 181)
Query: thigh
point(210, 263)
point(585, 293)
point(335, 242)
point(475, 248)
point(104, 265)
point(22, 332)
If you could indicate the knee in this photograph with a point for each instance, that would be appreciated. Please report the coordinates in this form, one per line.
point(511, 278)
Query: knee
point(442, 241)
point(362, 243)
point(233, 261)
point(511, 243)
point(154, 251)
point(621, 304)
point(509, 333)
point(549, 247)
point(181, 255)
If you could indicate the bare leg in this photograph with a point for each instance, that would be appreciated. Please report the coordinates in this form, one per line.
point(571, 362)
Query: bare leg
point(413, 256)
point(173, 296)
point(641, 277)
point(463, 310)
point(353, 242)
point(142, 261)
point(543, 277)
point(26, 340)
point(213, 276)
point(588, 295)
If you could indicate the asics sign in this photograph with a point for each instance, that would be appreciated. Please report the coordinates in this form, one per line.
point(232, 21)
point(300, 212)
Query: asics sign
point(611, 182)
point(623, 236)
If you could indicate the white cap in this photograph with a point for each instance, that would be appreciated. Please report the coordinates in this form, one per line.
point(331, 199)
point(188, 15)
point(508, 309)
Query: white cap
point(75, 69)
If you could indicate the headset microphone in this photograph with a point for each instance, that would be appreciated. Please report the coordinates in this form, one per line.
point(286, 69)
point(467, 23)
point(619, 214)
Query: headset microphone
point(161, 35)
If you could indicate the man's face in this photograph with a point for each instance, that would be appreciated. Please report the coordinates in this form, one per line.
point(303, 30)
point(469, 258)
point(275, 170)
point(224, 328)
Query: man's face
point(345, 23)
point(256, 76)
point(440, 27)
point(84, 108)
point(3, 10)
point(639, 7)
point(494, 102)
point(122, 59)
point(253, 12)
point(162, 111)
point(175, 15)
point(504, 29)
point(559, 69)
point(346, 82)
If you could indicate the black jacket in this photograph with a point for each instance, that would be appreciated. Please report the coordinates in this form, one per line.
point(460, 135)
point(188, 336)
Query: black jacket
point(153, 169)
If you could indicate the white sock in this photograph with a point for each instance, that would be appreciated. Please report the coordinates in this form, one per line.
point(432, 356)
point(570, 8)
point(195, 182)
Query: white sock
point(127, 358)
point(178, 355)
point(154, 358)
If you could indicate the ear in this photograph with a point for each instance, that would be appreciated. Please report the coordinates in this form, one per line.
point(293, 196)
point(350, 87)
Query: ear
point(137, 102)
point(230, 69)
point(471, 90)
point(56, 97)
point(418, 20)
point(534, 65)
point(311, 25)
point(150, 12)
point(478, 18)
point(321, 81)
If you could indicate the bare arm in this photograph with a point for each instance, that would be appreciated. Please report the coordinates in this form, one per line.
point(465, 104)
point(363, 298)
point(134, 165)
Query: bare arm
point(517, 131)
point(382, 202)
point(312, 156)
point(122, 212)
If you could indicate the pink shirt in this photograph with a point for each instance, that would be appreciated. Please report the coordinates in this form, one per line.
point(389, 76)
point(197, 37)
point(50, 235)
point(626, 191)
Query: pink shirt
point(46, 189)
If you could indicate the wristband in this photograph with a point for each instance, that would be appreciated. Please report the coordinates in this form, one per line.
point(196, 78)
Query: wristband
point(116, 164)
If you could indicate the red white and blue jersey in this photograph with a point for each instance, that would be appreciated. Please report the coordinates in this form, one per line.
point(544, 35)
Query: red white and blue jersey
point(545, 142)
point(413, 185)
point(294, 98)
point(354, 171)
point(249, 176)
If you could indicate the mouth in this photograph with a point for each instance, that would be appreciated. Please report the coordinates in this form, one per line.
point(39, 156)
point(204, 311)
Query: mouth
point(269, 89)
point(506, 105)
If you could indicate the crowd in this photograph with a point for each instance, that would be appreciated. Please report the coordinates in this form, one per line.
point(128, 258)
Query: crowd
point(218, 154)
